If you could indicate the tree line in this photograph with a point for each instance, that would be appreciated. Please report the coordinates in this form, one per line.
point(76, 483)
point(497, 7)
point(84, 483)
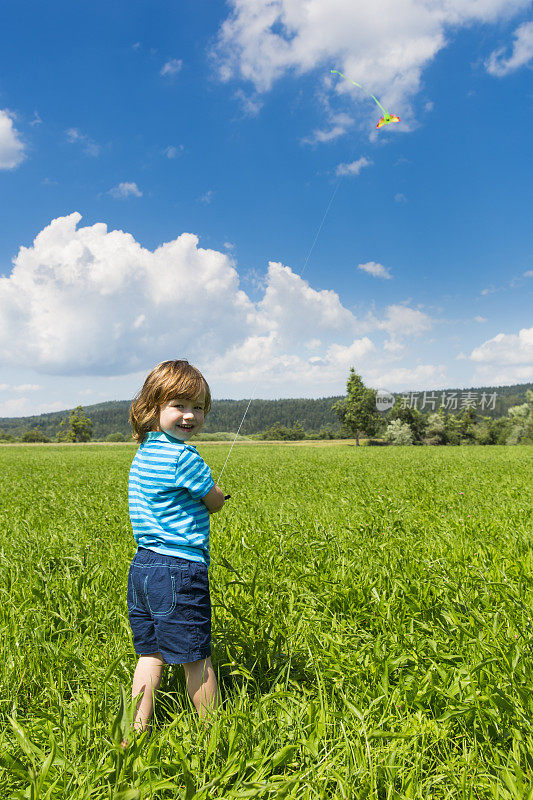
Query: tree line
point(354, 415)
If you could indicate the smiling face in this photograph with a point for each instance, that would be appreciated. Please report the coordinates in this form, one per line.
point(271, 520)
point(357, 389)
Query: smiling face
point(182, 417)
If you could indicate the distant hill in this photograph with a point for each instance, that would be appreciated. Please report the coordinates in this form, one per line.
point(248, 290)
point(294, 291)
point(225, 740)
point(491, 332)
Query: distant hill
point(313, 414)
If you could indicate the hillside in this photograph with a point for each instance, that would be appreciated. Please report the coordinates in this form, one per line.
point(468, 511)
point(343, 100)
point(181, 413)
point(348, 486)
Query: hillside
point(225, 415)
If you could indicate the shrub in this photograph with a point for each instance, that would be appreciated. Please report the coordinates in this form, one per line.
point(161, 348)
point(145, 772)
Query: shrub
point(399, 433)
point(116, 437)
point(34, 435)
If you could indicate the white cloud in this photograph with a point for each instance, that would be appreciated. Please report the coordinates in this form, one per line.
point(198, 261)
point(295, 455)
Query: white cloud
point(384, 45)
point(73, 301)
point(207, 198)
point(506, 358)
point(27, 387)
point(12, 148)
point(506, 348)
point(90, 147)
point(171, 68)
point(339, 124)
point(497, 64)
point(399, 197)
point(24, 407)
point(480, 319)
point(402, 378)
point(250, 104)
point(394, 346)
point(401, 320)
point(125, 189)
point(528, 273)
point(354, 168)
point(88, 301)
point(375, 269)
point(172, 151)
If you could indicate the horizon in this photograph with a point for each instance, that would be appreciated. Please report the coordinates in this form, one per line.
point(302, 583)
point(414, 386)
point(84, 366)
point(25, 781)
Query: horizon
point(192, 181)
point(407, 393)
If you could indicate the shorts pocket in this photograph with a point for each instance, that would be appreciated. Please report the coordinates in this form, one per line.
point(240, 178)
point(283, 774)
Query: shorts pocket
point(131, 597)
point(161, 587)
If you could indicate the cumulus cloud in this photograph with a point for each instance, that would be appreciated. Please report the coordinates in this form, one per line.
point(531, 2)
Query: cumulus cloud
point(12, 149)
point(171, 68)
point(88, 301)
point(401, 320)
point(416, 378)
point(124, 190)
point(354, 168)
point(385, 45)
point(506, 348)
point(375, 269)
point(506, 358)
point(499, 65)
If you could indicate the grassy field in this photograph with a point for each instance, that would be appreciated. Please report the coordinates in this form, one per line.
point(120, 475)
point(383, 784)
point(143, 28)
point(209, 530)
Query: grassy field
point(372, 628)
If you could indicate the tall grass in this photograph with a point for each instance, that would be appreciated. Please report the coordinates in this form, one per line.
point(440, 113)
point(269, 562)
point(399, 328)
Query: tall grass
point(372, 628)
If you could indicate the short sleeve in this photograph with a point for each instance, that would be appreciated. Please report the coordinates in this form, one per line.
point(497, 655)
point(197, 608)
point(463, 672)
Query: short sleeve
point(193, 474)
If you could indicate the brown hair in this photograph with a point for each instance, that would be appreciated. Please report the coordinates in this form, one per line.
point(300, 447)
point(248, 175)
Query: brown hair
point(169, 380)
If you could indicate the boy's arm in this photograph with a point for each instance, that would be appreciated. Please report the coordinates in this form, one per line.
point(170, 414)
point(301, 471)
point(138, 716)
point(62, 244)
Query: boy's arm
point(214, 499)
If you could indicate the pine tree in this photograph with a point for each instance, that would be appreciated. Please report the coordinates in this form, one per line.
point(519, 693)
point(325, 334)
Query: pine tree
point(358, 412)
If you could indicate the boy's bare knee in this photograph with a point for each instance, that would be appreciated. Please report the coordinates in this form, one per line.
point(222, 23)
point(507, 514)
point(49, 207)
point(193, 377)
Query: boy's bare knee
point(197, 667)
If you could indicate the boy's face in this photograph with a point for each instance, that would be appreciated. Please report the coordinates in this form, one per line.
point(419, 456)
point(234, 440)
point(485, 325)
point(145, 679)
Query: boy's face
point(182, 417)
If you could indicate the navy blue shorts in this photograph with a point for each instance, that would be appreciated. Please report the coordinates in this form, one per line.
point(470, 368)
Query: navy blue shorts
point(169, 607)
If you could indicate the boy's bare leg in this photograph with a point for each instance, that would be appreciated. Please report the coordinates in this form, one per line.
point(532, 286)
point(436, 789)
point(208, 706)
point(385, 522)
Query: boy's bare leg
point(146, 682)
point(202, 685)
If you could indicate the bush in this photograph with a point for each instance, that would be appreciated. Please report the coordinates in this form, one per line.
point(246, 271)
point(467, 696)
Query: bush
point(278, 431)
point(399, 433)
point(116, 437)
point(35, 435)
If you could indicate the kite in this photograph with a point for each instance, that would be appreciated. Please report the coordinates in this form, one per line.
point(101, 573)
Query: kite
point(387, 118)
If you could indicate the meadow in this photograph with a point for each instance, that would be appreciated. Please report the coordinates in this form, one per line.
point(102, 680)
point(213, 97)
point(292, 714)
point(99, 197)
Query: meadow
point(372, 628)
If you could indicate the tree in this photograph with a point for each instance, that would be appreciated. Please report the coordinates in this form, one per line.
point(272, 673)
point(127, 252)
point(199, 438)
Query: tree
point(436, 428)
point(278, 431)
point(115, 437)
point(410, 416)
point(521, 426)
point(35, 435)
point(357, 412)
point(399, 433)
point(78, 427)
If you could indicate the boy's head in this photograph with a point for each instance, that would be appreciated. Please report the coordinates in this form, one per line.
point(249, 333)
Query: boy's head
point(167, 383)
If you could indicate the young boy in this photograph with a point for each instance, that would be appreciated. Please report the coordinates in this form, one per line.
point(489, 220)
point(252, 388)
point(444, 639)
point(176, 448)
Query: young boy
point(171, 495)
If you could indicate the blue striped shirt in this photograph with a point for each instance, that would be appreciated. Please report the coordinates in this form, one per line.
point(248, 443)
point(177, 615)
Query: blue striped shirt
point(167, 480)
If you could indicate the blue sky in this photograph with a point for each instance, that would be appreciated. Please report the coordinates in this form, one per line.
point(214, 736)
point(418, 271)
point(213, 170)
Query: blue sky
point(219, 130)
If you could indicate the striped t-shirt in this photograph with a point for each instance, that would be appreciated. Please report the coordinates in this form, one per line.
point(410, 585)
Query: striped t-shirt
point(167, 480)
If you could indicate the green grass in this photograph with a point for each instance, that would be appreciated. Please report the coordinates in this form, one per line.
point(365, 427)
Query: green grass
point(372, 628)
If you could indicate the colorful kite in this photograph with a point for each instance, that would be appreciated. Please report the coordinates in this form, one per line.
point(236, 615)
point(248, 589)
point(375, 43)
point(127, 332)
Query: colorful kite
point(387, 118)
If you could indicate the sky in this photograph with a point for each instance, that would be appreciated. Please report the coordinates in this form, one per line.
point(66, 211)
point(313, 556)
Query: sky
point(190, 180)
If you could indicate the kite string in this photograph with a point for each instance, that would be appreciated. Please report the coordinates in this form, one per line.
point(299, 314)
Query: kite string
point(301, 273)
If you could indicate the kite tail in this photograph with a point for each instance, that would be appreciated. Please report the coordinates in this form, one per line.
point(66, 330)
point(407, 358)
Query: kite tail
point(361, 87)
